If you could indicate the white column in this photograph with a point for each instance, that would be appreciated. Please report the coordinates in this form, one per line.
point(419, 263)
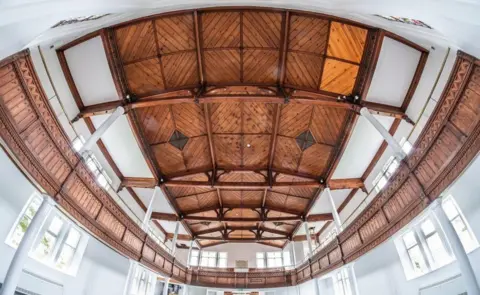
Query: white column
point(317, 287)
point(21, 254)
point(148, 214)
point(165, 287)
point(175, 236)
point(130, 276)
point(353, 279)
point(392, 142)
point(336, 217)
point(466, 269)
point(307, 232)
point(101, 130)
point(293, 253)
point(190, 252)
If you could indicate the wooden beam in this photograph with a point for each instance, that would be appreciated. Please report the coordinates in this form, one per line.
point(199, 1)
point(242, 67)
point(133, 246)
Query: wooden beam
point(240, 185)
point(275, 231)
point(199, 47)
point(241, 240)
point(320, 217)
point(231, 219)
point(348, 183)
point(209, 231)
point(180, 237)
point(164, 216)
point(312, 99)
point(138, 182)
point(300, 238)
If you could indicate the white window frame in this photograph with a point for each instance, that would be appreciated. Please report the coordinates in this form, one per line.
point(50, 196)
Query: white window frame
point(390, 167)
point(52, 258)
point(143, 282)
point(341, 283)
point(271, 259)
point(431, 261)
point(195, 258)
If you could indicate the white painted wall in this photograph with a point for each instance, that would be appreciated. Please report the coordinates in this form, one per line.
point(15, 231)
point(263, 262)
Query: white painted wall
point(102, 271)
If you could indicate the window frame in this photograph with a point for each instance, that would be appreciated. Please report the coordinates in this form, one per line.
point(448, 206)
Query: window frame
point(263, 258)
point(52, 258)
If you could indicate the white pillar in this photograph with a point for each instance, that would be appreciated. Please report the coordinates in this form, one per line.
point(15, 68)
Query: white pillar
point(165, 287)
point(317, 287)
point(21, 254)
point(466, 269)
point(336, 217)
point(353, 279)
point(293, 253)
point(175, 236)
point(189, 256)
point(309, 241)
point(101, 130)
point(148, 214)
point(392, 143)
point(130, 276)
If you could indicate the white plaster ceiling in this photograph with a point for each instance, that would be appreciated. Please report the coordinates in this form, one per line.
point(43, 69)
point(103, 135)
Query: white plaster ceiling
point(394, 73)
point(160, 204)
point(169, 227)
point(122, 146)
point(361, 148)
point(322, 205)
point(90, 71)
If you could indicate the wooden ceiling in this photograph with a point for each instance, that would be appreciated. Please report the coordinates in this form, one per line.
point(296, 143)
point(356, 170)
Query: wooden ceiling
point(237, 112)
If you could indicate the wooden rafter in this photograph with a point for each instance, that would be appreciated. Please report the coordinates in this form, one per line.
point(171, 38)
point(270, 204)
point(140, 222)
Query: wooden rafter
point(349, 183)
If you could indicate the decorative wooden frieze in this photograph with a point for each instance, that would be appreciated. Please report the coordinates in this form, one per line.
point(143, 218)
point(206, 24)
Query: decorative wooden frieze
point(351, 244)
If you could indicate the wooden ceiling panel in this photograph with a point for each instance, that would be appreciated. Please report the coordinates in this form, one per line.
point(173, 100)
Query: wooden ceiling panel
point(188, 191)
point(241, 213)
point(221, 29)
point(136, 41)
point(296, 204)
point(189, 119)
point(258, 117)
point(252, 198)
point(226, 117)
point(346, 42)
point(338, 76)
point(242, 234)
point(327, 124)
point(287, 154)
point(197, 153)
point(228, 150)
point(262, 29)
point(260, 66)
point(287, 226)
point(275, 200)
point(238, 224)
point(180, 69)
point(157, 123)
point(294, 119)
point(308, 34)
point(315, 159)
point(241, 176)
point(305, 192)
point(208, 200)
point(175, 33)
point(231, 198)
point(257, 154)
point(201, 176)
point(188, 203)
point(145, 77)
point(168, 158)
point(303, 70)
point(222, 66)
point(203, 225)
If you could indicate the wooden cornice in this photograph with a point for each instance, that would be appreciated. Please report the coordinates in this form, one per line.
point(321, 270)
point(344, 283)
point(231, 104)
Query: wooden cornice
point(164, 216)
point(138, 182)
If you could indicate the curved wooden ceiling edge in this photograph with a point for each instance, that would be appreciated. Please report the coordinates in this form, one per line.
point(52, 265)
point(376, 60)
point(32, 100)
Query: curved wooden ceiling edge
point(33, 136)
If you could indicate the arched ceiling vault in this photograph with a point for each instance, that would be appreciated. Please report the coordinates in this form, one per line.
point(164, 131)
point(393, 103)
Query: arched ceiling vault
point(242, 114)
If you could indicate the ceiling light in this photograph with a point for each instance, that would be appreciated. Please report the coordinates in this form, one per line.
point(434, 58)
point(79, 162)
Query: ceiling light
point(249, 145)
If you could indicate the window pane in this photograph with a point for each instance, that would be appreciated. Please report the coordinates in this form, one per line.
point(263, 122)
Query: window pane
point(211, 262)
point(463, 233)
point(271, 262)
point(278, 262)
point(73, 237)
point(194, 261)
point(450, 209)
point(270, 254)
point(56, 226)
point(381, 183)
point(418, 262)
point(222, 254)
point(65, 258)
point(33, 207)
point(407, 147)
point(393, 167)
point(45, 247)
point(409, 239)
point(222, 262)
point(260, 255)
point(102, 181)
point(91, 165)
point(286, 259)
point(260, 263)
point(428, 227)
point(437, 249)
